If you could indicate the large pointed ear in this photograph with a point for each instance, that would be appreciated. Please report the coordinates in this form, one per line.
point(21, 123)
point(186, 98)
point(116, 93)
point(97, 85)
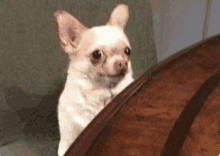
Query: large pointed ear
point(69, 30)
point(119, 16)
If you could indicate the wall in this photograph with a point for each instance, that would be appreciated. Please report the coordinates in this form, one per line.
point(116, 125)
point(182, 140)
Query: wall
point(179, 24)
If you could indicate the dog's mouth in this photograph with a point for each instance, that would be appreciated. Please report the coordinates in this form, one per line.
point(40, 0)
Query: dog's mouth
point(110, 80)
point(117, 75)
point(122, 74)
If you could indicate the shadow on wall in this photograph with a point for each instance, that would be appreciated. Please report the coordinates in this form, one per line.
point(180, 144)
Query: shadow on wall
point(39, 121)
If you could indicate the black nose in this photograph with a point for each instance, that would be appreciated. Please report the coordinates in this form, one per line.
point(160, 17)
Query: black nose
point(121, 65)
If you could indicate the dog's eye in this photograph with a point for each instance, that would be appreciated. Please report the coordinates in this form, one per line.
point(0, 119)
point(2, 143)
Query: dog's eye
point(127, 51)
point(97, 54)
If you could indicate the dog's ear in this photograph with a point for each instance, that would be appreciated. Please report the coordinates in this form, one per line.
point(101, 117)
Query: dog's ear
point(119, 16)
point(69, 30)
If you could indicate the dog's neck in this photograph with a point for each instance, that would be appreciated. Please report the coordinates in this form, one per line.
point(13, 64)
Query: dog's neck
point(87, 81)
point(92, 92)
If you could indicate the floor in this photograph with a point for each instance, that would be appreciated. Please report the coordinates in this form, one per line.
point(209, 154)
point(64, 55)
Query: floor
point(30, 147)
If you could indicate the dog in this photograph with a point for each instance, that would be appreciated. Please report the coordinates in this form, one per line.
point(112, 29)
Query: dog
point(99, 69)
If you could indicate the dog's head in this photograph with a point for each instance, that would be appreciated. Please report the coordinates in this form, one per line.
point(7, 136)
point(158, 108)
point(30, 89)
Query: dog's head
point(102, 52)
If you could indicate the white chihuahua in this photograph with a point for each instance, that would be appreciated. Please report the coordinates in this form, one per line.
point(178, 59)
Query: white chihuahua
point(99, 69)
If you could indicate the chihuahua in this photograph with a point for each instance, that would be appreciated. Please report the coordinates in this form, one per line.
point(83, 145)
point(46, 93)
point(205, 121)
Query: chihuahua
point(99, 69)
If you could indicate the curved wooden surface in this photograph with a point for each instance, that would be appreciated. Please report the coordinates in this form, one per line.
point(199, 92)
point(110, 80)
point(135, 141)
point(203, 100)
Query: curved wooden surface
point(172, 109)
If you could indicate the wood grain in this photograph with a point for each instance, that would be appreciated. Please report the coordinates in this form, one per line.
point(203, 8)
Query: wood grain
point(172, 109)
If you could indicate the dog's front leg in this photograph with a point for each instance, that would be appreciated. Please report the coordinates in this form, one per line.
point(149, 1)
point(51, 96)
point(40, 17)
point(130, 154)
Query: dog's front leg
point(69, 130)
point(63, 146)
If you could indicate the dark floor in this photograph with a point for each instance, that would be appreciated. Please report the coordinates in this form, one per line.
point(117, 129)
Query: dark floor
point(30, 147)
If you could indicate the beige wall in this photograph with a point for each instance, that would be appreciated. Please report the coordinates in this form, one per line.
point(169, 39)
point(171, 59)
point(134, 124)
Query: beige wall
point(179, 24)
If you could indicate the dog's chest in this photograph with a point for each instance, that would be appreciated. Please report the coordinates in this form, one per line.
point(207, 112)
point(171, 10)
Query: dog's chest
point(84, 100)
point(97, 98)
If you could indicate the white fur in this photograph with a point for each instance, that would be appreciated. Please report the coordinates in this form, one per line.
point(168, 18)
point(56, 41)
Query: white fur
point(114, 34)
point(75, 112)
point(82, 99)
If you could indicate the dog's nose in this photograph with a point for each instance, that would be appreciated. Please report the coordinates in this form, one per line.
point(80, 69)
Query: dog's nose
point(121, 65)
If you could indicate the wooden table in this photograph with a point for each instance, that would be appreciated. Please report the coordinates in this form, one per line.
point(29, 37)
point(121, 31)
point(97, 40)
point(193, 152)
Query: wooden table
point(172, 109)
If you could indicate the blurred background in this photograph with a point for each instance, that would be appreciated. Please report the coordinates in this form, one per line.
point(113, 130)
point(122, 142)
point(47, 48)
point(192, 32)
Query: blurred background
point(33, 66)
